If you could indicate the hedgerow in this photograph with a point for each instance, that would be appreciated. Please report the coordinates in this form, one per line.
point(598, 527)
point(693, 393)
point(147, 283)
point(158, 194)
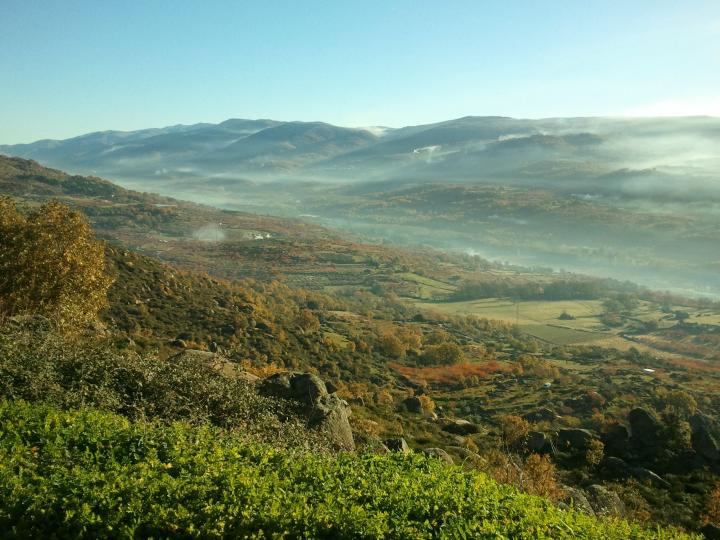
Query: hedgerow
point(89, 474)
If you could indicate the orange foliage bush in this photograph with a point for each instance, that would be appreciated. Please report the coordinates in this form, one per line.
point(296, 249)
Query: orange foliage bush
point(450, 374)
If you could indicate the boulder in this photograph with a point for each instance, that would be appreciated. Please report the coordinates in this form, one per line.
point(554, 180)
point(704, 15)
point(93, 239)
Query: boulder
point(466, 454)
point(701, 420)
point(325, 412)
point(397, 445)
point(644, 426)
point(330, 416)
point(646, 475)
point(460, 427)
point(541, 415)
point(605, 502)
point(577, 499)
point(686, 462)
point(614, 466)
point(574, 439)
point(705, 444)
point(537, 442)
point(616, 439)
point(413, 404)
point(710, 531)
point(439, 453)
point(215, 361)
point(306, 388)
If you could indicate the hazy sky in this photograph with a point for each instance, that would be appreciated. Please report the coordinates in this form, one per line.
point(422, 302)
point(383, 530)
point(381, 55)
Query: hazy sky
point(69, 67)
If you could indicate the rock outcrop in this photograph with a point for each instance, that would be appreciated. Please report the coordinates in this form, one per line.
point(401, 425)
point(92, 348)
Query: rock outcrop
point(215, 361)
point(645, 427)
point(460, 427)
point(574, 439)
point(326, 412)
point(439, 453)
point(538, 442)
point(705, 444)
point(397, 445)
point(577, 499)
point(605, 502)
point(616, 439)
point(413, 404)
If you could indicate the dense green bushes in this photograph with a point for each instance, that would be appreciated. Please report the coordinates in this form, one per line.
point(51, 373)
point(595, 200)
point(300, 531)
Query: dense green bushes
point(36, 364)
point(94, 474)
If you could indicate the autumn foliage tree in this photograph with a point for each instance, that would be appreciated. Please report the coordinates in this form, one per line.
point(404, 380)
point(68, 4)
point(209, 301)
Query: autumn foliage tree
point(51, 265)
point(712, 507)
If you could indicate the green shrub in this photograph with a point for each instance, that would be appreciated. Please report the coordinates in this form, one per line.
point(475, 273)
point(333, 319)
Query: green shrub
point(91, 474)
point(37, 365)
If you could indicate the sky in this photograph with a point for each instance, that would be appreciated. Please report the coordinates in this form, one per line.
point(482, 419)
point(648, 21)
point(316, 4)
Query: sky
point(74, 66)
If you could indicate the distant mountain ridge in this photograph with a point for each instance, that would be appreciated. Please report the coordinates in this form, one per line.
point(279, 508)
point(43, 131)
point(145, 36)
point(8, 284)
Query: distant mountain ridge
point(658, 153)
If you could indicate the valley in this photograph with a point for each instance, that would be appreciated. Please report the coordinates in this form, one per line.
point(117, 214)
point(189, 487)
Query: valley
point(475, 341)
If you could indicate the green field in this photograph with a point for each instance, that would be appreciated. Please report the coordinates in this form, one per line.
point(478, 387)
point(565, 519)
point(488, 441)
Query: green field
point(537, 318)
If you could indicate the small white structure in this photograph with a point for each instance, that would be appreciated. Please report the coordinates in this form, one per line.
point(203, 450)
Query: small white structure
point(648, 370)
point(547, 385)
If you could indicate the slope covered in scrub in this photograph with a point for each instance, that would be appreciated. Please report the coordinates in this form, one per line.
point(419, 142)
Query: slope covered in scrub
point(90, 474)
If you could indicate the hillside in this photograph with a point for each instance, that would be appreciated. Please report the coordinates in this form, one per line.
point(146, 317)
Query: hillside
point(443, 351)
point(648, 185)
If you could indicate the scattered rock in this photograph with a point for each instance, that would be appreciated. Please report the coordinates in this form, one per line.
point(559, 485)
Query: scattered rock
point(537, 442)
point(615, 466)
point(440, 454)
point(330, 416)
point(705, 444)
point(644, 426)
point(616, 439)
point(215, 361)
point(577, 499)
point(326, 412)
point(466, 454)
point(460, 427)
point(686, 462)
point(397, 445)
point(413, 404)
point(710, 531)
point(647, 475)
point(574, 439)
point(605, 502)
point(541, 415)
point(306, 388)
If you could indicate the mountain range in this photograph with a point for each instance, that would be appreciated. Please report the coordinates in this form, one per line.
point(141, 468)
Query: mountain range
point(662, 155)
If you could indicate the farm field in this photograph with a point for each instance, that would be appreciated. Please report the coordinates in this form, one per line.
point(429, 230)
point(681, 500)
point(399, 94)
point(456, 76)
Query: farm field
point(537, 318)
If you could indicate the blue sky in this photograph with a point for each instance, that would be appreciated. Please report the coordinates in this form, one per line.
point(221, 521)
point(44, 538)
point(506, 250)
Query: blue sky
point(70, 67)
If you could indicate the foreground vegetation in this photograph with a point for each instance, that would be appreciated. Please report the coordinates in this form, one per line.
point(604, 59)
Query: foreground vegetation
point(89, 474)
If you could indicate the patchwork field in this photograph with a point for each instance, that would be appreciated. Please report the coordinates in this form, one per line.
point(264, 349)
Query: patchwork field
point(537, 318)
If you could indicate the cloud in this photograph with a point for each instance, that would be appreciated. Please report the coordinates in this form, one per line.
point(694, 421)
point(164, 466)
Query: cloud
point(678, 107)
point(209, 233)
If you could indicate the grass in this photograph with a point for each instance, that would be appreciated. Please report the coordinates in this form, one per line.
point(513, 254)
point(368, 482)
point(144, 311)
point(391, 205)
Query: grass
point(89, 474)
point(537, 318)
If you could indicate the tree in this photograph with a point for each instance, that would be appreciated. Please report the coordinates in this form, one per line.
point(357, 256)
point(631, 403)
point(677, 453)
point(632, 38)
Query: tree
point(681, 403)
point(595, 453)
point(515, 431)
point(392, 346)
point(444, 353)
point(51, 265)
point(307, 321)
point(712, 507)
